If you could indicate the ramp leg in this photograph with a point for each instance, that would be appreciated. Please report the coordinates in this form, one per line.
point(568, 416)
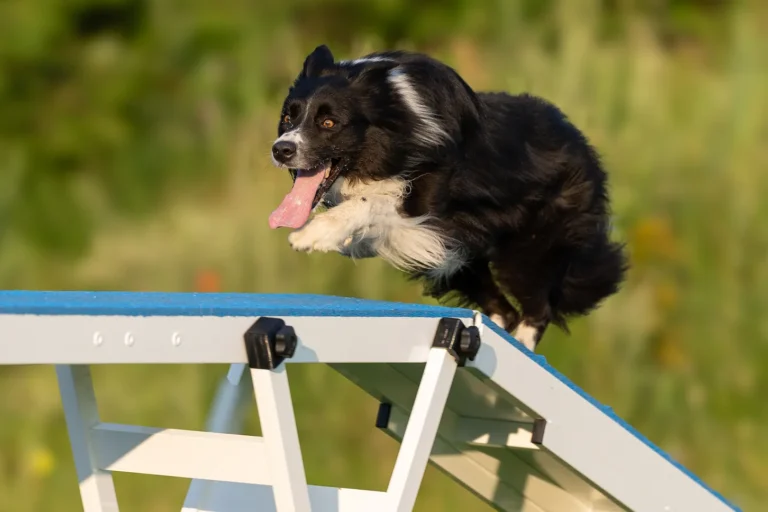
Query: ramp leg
point(97, 489)
point(278, 426)
point(226, 418)
point(421, 430)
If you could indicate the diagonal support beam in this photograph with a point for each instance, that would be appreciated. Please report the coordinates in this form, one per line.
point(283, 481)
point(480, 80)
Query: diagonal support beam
point(268, 342)
point(421, 430)
point(278, 427)
point(97, 489)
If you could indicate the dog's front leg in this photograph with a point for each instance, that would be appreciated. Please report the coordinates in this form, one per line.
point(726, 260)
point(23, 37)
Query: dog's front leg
point(330, 231)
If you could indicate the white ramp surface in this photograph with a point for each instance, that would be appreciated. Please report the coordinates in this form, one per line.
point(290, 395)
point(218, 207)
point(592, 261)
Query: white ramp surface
point(455, 390)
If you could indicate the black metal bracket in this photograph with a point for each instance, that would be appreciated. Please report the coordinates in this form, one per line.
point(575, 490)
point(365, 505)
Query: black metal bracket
point(268, 342)
point(539, 425)
point(382, 416)
point(460, 341)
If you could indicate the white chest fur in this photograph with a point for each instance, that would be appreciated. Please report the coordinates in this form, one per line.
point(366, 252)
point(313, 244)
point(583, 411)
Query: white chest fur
point(365, 222)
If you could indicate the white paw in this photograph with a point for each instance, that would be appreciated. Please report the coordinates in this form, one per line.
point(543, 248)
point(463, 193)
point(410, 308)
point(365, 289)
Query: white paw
point(318, 235)
point(307, 241)
point(498, 320)
point(526, 334)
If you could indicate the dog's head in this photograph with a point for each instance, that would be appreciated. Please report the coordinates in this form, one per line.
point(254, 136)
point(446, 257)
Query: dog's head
point(324, 129)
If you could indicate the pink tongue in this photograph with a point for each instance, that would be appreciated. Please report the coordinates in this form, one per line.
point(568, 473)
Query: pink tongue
point(294, 211)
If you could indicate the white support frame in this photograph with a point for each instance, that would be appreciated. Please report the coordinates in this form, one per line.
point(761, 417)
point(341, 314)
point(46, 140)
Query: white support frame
point(278, 426)
point(475, 424)
point(459, 448)
point(97, 490)
point(271, 466)
point(421, 430)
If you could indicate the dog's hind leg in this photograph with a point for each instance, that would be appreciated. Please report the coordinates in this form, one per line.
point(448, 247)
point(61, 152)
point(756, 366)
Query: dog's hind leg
point(474, 285)
point(532, 326)
point(531, 282)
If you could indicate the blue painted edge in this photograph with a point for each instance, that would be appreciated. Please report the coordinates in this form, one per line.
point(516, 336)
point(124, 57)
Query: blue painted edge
point(209, 304)
point(607, 410)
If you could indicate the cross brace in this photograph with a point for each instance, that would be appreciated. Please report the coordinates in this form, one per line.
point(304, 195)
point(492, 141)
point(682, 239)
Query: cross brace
point(232, 472)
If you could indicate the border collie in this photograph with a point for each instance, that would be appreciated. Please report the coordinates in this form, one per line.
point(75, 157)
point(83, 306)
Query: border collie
point(491, 200)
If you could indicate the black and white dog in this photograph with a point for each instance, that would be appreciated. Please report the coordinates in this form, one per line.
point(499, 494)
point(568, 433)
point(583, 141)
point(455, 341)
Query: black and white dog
point(484, 197)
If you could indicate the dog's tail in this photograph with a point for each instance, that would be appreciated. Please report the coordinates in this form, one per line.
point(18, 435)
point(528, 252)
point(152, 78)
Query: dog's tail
point(594, 274)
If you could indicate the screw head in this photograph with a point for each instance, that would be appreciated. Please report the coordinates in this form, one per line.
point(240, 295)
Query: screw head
point(286, 341)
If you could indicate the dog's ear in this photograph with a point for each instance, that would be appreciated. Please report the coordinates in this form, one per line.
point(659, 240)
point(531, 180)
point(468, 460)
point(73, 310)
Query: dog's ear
point(321, 58)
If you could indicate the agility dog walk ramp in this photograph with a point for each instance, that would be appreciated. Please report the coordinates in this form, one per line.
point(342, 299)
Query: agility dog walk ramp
point(454, 389)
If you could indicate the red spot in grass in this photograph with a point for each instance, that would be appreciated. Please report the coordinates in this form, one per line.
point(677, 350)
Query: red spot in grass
point(207, 281)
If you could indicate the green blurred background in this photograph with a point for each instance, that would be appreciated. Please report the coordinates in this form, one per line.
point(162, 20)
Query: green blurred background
point(134, 155)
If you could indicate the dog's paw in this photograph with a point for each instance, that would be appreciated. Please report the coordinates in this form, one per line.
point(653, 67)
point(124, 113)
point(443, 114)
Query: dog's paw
point(316, 236)
point(302, 240)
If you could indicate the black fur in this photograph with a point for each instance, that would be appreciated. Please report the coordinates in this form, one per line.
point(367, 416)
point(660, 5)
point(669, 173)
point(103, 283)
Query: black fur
point(514, 182)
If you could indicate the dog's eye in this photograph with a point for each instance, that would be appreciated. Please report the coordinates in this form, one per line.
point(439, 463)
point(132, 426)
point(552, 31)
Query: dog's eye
point(328, 123)
point(287, 119)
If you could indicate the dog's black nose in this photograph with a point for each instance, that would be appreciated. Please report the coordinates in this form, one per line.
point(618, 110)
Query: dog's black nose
point(283, 150)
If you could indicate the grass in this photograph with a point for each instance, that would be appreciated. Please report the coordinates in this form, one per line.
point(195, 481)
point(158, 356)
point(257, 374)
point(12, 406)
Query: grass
point(680, 352)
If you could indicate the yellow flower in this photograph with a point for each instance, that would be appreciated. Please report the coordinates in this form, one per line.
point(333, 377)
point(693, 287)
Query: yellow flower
point(41, 461)
point(653, 238)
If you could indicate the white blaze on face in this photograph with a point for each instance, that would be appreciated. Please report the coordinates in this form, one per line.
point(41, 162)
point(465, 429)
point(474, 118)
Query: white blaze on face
point(296, 137)
point(292, 136)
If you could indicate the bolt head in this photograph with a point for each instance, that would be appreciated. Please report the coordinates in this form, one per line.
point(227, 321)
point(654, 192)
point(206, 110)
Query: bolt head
point(286, 341)
point(470, 342)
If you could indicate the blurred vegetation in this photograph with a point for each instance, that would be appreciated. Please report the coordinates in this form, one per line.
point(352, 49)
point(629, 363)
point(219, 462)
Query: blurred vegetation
point(134, 138)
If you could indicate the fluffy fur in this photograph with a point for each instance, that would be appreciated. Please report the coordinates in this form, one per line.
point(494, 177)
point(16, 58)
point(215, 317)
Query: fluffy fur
point(484, 197)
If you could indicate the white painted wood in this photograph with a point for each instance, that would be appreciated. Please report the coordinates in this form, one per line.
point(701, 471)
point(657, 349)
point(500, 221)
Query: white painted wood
point(534, 484)
point(54, 339)
point(494, 433)
point(495, 475)
point(585, 452)
point(421, 430)
point(226, 417)
point(97, 490)
point(231, 497)
point(223, 496)
point(181, 453)
point(278, 426)
point(531, 472)
point(568, 481)
point(588, 440)
point(474, 396)
point(457, 463)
